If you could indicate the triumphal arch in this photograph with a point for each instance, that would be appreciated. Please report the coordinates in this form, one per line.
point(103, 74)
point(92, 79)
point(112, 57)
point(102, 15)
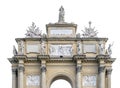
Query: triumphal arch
point(82, 58)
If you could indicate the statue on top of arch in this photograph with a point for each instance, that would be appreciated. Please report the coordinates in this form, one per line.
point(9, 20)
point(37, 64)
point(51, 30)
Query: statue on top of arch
point(89, 32)
point(61, 15)
point(33, 31)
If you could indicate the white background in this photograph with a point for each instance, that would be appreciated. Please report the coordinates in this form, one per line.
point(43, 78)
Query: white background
point(17, 15)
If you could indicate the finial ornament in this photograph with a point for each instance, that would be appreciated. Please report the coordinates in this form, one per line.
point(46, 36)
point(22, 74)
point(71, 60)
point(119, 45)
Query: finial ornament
point(90, 32)
point(61, 15)
point(33, 31)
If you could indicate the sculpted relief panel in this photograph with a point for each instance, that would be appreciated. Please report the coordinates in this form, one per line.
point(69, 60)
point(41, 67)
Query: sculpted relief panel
point(61, 50)
point(33, 80)
point(89, 80)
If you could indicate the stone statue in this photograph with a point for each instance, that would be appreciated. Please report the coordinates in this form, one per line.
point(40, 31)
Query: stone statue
point(109, 49)
point(61, 14)
point(21, 47)
point(14, 51)
point(43, 48)
point(33, 31)
point(52, 49)
point(79, 48)
point(101, 48)
point(89, 32)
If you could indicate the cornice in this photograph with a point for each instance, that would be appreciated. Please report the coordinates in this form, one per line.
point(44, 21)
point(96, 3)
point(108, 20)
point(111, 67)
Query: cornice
point(59, 60)
point(79, 57)
point(89, 61)
point(63, 39)
point(20, 57)
point(13, 60)
point(102, 57)
point(61, 25)
point(31, 61)
point(43, 57)
point(111, 60)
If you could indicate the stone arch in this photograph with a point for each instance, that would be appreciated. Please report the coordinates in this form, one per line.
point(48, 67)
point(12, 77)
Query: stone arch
point(65, 76)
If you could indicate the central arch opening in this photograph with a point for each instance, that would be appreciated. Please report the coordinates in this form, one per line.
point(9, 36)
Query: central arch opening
point(60, 83)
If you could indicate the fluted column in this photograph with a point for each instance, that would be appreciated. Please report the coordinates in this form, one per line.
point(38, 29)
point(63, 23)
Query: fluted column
point(43, 75)
point(109, 71)
point(14, 77)
point(101, 83)
point(78, 76)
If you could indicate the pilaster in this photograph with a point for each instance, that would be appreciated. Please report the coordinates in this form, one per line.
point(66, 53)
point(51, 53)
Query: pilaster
point(78, 59)
point(43, 59)
point(14, 70)
point(21, 69)
point(101, 70)
point(14, 77)
point(108, 73)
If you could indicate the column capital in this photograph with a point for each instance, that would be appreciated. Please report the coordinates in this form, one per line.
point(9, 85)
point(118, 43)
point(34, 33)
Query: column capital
point(14, 70)
point(21, 68)
point(43, 69)
point(78, 68)
point(109, 71)
point(101, 69)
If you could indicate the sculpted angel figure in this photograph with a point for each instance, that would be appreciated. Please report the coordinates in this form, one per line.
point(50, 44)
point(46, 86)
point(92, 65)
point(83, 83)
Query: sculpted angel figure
point(109, 49)
point(79, 48)
point(101, 48)
point(14, 51)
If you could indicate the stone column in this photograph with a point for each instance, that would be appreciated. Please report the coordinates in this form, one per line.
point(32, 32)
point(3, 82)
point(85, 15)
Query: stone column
point(14, 77)
point(101, 83)
point(20, 76)
point(43, 74)
point(109, 71)
point(78, 76)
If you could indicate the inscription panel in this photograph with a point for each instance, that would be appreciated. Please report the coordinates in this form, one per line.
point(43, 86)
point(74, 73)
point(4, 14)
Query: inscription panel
point(33, 48)
point(61, 31)
point(89, 48)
